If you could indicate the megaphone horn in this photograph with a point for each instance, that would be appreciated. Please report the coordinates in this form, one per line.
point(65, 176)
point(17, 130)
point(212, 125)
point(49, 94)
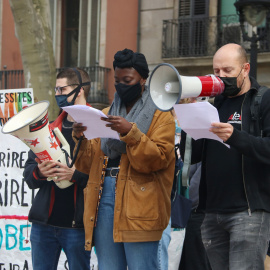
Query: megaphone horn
point(31, 126)
point(167, 86)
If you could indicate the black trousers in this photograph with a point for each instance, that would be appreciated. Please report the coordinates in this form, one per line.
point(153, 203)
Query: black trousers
point(194, 255)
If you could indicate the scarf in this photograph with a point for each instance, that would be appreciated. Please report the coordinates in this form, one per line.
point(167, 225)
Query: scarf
point(141, 113)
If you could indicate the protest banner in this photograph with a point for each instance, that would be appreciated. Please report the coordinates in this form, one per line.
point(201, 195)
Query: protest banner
point(15, 196)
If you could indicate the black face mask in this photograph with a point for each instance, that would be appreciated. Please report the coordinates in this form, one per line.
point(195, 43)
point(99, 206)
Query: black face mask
point(128, 93)
point(231, 88)
point(62, 99)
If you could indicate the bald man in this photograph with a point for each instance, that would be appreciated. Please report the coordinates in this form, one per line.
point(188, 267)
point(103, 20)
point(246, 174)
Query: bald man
point(235, 181)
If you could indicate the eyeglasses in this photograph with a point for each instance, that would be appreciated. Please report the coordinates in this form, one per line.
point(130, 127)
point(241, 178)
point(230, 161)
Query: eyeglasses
point(59, 89)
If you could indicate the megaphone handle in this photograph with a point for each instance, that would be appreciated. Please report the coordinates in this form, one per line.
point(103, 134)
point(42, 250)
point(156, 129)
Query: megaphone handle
point(62, 139)
point(75, 155)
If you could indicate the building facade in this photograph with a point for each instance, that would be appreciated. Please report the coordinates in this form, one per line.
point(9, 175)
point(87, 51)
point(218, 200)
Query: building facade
point(186, 34)
point(87, 33)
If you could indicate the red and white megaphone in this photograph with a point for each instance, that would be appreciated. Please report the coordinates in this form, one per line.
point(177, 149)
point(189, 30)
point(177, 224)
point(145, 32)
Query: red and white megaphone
point(31, 126)
point(167, 86)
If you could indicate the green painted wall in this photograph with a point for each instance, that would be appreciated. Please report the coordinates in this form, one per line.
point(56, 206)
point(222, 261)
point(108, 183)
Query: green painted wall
point(227, 7)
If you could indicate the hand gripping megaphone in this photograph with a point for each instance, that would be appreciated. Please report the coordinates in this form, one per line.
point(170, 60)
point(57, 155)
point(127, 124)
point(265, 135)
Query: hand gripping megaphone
point(167, 86)
point(31, 126)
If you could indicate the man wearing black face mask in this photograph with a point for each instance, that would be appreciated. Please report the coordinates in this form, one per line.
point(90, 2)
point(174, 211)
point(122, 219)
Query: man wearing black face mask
point(57, 214)
point(235, 181)
point(231, 84)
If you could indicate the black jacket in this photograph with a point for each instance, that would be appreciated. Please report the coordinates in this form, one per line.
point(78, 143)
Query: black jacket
point(43, 201)
point(255, 153)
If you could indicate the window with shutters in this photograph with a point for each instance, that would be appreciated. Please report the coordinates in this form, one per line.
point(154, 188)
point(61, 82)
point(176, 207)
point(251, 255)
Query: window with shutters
point(79, 32)
point(193, 27)
point(70, 33)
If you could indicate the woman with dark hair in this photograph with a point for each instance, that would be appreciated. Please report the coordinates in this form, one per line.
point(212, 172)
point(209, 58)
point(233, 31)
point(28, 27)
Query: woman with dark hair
point(127, 198)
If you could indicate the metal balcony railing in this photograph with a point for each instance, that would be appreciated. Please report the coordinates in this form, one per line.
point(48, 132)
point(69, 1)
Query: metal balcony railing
point(193, 37)
point(12, 79)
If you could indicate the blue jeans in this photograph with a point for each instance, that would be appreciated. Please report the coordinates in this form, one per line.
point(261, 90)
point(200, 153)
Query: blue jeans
point(236, 241)
point(163, 257)
point(117, 256)
point(46, 245)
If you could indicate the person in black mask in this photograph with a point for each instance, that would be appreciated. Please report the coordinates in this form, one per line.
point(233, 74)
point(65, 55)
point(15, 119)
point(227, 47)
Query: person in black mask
point(72, 89)
point(231, 84)
point(57, 214)
point(127, 198)
point(235, 181)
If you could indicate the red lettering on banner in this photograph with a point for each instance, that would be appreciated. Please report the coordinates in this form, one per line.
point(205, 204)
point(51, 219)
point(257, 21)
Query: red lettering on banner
point(14, 217)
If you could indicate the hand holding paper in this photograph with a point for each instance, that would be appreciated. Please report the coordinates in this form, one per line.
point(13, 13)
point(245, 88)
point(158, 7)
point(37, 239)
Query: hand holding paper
point(222, 130)
point(90, 117)
point(196, 119)
point(118, 123)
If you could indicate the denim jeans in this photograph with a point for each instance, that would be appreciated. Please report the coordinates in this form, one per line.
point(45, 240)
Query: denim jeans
point(236, 241)
point(163, 257)
point(117, 256)
point(47, 242)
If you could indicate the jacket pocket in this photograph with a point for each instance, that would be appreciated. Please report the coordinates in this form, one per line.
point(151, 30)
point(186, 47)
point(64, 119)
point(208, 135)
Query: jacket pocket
point(142, 200)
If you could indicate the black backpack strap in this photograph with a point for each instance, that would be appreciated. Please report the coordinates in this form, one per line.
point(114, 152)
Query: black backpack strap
point(256, 119)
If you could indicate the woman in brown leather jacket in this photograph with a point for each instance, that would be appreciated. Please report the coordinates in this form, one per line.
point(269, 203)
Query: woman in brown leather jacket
point(127, 198)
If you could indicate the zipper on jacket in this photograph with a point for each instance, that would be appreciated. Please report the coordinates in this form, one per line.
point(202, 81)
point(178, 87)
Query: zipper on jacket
point(249, 211)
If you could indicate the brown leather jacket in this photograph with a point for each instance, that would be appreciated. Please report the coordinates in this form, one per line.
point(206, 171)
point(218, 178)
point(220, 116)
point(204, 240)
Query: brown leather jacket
point(142, 206)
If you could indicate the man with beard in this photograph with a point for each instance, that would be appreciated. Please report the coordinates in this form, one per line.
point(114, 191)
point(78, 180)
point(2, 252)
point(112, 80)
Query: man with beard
point(235, 187)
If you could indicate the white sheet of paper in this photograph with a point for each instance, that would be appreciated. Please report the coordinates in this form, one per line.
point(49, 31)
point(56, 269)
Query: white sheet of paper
point(90, 117)
point(196, 118)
